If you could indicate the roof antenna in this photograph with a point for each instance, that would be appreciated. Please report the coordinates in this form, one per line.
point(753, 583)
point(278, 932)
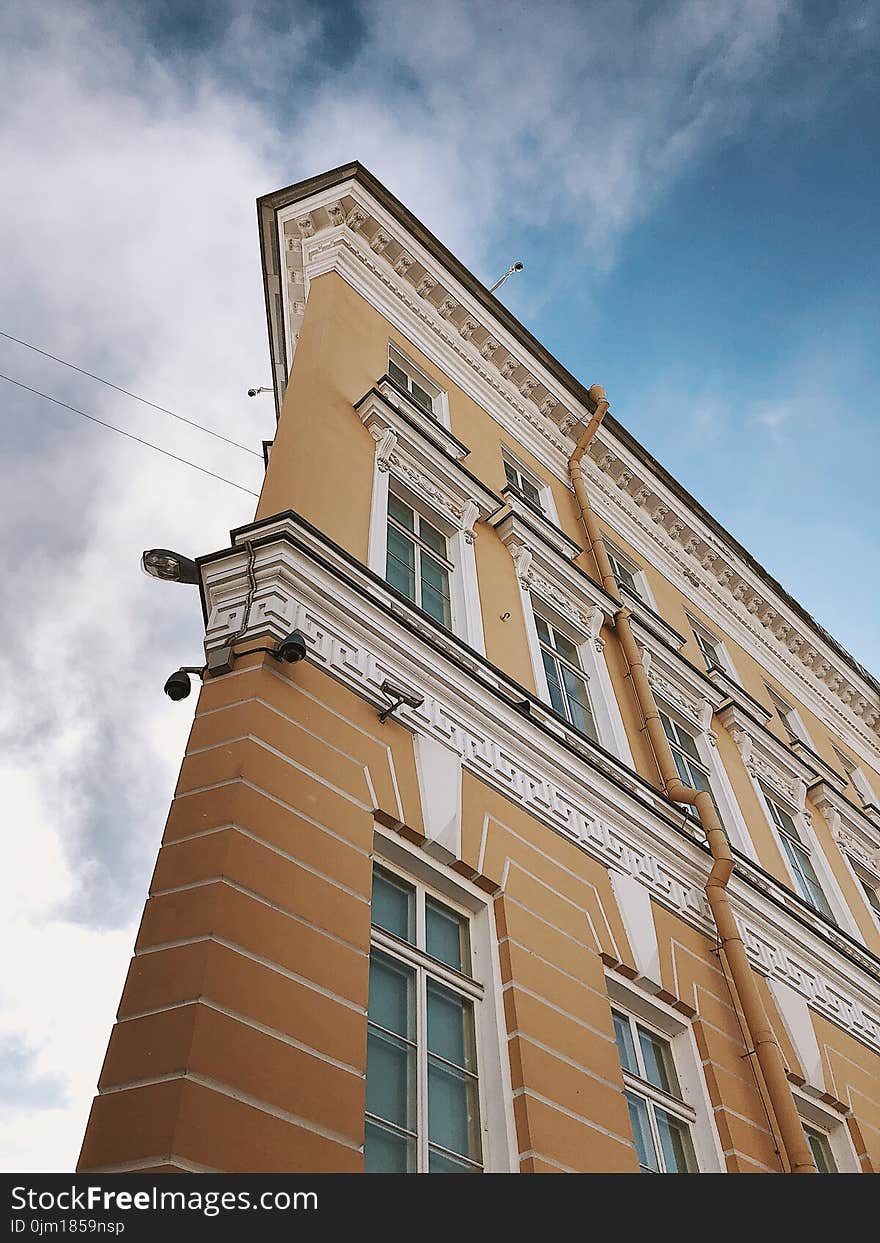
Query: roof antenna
point(514, 267)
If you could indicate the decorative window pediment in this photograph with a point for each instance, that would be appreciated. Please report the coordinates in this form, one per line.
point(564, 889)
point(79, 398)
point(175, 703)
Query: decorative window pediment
point(543, 556)
point(855, 833)
point(425, 457)
point(767, 759)
point(678, 683)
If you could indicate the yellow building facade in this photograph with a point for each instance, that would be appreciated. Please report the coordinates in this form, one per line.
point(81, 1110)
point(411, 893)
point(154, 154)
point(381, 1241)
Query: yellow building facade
point(559, 851)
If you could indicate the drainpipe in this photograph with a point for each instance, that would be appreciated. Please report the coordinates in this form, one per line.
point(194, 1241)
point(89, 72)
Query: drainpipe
point(764, 1043)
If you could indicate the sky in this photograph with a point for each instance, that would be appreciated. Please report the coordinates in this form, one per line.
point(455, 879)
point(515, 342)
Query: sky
point(692, 186)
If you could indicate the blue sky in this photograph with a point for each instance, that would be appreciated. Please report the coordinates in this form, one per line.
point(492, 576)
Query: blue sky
point(693, 188)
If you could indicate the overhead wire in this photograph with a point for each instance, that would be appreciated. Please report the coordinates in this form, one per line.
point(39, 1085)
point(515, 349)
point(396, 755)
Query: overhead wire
point(128, 393)
point(130, 435)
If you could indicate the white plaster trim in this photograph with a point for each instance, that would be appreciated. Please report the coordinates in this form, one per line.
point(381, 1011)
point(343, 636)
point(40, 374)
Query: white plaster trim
point(360, 645)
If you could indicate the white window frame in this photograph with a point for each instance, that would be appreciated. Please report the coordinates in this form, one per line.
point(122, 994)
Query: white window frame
point(438, 395)
point(413, 867)
point(857, 779)
point(840, 912)
point(722, 791)
point(545, 492)
point(668, 1023)
point(606, 710)
point(865, 880)
point(643, 587)
point(467, 617)
point(421, 549)
point(700, 631)
point(790, 718)
point(817, 1117)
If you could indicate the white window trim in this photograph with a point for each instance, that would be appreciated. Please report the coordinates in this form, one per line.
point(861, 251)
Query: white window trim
point(439, 396)
point(464, 591)
point(725, 658)
point(688, 1067)
point(863, 876)
point(827, 880)
point(791, 714)
point(606, 710)
point(639, 576)
point(857, 779)
point(497, 1124)
point(818, 1116)
point(548, 504)
point(722, 789)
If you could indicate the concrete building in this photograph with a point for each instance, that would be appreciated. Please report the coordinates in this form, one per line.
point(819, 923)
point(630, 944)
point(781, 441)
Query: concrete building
point(560, 850)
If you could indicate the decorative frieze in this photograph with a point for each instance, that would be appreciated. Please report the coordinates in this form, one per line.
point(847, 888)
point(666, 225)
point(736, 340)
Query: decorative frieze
point(861, 704)
point(350, 637)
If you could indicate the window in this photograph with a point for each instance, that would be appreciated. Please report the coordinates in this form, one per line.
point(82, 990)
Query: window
point(525, 484)
point(821, 1150)
point(627, 574)
point(871, 893)
point(423, 1107)
point(661, 1121)
point(799, 859)
point(857, 779)
point(688, 761)
point(417, 560)
point(566, 681)
point(407, 375)
point(791, 722)
point(711, 648)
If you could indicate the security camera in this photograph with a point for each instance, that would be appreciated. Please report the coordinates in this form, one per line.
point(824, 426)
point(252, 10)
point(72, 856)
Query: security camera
point(178, 685)
point(291, 649)
point(402, 697)
point(252, 392)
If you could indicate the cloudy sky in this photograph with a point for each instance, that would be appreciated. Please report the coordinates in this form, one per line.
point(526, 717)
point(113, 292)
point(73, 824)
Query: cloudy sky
point(693, 188)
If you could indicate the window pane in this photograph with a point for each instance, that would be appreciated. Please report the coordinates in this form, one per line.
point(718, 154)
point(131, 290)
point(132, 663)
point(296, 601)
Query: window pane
point(657, 1057)
point(566, 649)
point(638, 1116)
point(387, 1152)
point(543, 631)
point(435, 590)
point(446, 935)
point(675, 1142)
point(821, 1151)
point(421, 396)
point(557, 699)
point(452, 1109)
point(625, 1046)
point(432, 537)
point(872, 896)
point(442, 1163)
point(400, 564)
point(391, 995)
point(397, 374)
point(806, 878)
point(393, 906)
point(450, 1026)
point(400, 513)
point(391, 1070)
point(624, 576)
point(531, 493)
point(687, 743)
point(579, 709)
point(511, 474)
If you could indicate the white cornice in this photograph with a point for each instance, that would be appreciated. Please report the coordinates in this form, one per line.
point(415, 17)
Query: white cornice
point(345, 229)
point(302, 581)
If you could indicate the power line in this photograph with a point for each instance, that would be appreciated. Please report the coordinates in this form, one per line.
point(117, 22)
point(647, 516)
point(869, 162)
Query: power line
point(129, 435)
point(55, 359)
